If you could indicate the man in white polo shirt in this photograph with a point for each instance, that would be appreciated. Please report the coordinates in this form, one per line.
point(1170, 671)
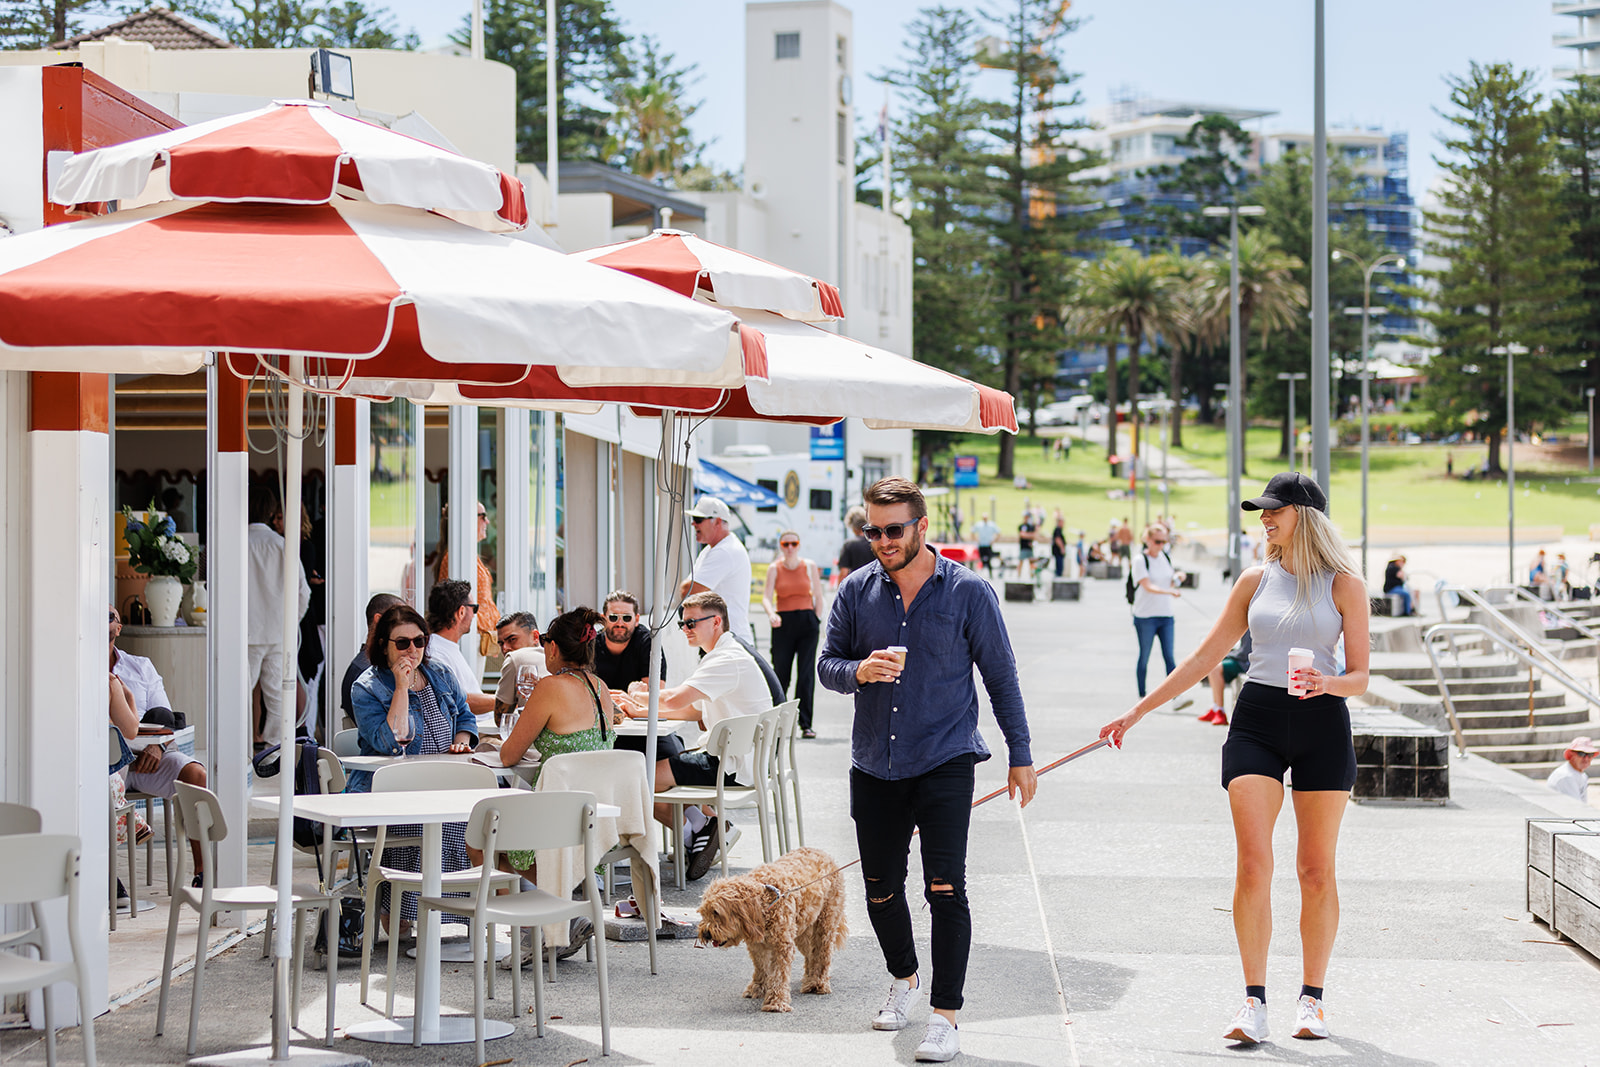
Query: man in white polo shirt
point(723, 565)
point(726, 682)
point(450, 615)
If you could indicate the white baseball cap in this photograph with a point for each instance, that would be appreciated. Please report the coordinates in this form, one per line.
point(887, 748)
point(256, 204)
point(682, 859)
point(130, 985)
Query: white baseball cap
point(710, 507)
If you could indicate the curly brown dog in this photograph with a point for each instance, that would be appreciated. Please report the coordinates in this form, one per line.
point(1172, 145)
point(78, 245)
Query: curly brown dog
point(791, 903)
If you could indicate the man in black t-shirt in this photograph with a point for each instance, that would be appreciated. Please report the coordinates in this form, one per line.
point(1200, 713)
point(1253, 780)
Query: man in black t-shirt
point(623, 656)
point(379, 604)
point(855, 553)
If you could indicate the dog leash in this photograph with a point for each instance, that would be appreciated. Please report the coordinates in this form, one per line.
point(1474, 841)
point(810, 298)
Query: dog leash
point(1049, 944)
point(780, 893)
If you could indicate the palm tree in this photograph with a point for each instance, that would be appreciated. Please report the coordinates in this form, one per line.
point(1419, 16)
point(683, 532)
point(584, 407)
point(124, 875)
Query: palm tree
point(1269, 298)
point(1133, 296)
point(1199, 326)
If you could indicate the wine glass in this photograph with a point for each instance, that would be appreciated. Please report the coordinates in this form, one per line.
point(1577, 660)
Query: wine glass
point(403, 735)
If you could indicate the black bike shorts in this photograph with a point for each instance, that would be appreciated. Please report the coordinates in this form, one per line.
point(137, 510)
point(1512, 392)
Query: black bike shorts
point(1272, 732)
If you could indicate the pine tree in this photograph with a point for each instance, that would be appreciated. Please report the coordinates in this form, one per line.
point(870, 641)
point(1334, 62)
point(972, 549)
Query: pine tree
point(1040, 221)
point(1212, 172)
point(351, 24)
point(591, 58)
point(39, 23)
point(1573, 122)
point(1510, 280)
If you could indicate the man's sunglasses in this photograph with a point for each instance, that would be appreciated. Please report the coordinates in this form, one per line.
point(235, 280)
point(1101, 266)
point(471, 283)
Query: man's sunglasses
point(894, 531)
point(690, 624)
point(698, 519)
point(403, 643)
point(619, 618)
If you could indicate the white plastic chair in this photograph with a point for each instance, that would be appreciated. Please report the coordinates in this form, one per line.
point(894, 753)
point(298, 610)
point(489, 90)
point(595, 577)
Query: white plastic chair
point(347, 743)
point(786, 774)
point(42, 867)
point(527, 821)
point(414, 777)
point(736, 736)
point(115, 811)
point(200, 819)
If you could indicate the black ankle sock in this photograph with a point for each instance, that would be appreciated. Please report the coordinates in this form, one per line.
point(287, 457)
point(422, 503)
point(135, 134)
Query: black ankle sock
point(1311, 991)
point(1257, 991)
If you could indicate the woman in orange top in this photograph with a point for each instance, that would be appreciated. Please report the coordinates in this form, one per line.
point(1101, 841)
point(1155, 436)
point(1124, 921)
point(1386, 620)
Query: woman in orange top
point(796, 585)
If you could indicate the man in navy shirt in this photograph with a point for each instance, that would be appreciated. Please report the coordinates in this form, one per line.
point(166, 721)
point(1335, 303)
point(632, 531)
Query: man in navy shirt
point(915, 740)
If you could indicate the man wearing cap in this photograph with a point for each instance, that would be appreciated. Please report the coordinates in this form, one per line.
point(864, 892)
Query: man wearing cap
point(1572, 777)
point(723, 565)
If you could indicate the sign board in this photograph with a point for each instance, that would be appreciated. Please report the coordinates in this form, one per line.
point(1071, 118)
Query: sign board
point(827, 442)
point(966, 472)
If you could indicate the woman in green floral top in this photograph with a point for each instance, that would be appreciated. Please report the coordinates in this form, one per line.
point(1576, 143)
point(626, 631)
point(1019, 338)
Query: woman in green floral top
point(570, 711)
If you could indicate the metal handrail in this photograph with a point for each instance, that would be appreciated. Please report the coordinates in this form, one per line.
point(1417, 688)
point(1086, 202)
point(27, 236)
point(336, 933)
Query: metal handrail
point(1565, 617)
point(1448, 630)
point(1534, 644)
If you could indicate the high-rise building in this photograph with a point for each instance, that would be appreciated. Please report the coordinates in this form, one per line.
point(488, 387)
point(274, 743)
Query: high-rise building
point(1584, 42)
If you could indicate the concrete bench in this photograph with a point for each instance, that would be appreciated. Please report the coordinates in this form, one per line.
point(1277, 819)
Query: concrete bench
point(1020, 591)
point(1066, 589)
point(1386, 605)
point(1398, 758)
point(1564, 878)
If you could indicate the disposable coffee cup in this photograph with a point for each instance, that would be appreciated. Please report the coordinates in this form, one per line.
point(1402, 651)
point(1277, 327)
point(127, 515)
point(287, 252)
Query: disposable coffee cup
point(1299, 659)
point(899, 652)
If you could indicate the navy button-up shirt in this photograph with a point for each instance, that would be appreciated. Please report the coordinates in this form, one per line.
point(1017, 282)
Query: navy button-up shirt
point(930, 714)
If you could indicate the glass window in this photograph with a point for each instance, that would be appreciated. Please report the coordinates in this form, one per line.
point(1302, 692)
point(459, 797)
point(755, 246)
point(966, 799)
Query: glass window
point(560, 437)
point(841, 50)
point(392, 497)
point(539, 551)
point(842, 132)
point(787, 45)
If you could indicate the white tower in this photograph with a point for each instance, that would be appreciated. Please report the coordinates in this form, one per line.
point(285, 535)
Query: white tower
point(1584, 42)
point(799, 132)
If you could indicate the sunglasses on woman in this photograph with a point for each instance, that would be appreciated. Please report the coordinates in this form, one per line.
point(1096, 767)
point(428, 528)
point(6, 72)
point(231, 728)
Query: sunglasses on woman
point(789, 544)
point(403, 643)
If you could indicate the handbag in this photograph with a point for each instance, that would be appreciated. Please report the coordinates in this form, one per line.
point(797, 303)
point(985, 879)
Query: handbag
point(486, 645)
point(352, 921)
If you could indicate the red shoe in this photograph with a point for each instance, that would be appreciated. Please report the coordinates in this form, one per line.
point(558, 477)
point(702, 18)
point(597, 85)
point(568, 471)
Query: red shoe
point(1209, 715)
point(1220, 717)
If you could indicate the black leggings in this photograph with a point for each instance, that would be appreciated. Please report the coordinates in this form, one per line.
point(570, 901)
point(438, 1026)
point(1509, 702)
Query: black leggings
point(939, 803)
point(797, 639)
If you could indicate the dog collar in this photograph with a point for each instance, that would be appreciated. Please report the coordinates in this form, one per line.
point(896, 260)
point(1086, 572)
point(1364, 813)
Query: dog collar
point(777, 893)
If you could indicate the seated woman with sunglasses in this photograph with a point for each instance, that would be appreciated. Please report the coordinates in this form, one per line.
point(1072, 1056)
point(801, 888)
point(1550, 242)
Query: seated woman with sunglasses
point(406, 705)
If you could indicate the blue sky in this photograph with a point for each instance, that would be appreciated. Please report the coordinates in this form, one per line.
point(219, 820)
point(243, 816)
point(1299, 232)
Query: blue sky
point(1387, 59)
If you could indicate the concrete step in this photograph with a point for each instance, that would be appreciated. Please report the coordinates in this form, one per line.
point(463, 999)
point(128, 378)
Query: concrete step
point(1570, 718)
point(1408, 668)
point(1508, 701)
point(1482, 741)
point(1540, 770)
point(1548, 753)
point(1462, 687)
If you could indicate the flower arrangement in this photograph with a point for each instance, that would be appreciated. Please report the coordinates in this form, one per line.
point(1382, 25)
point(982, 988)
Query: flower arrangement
point(155, 548)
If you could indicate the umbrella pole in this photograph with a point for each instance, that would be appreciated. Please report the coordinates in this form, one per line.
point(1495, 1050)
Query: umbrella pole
point(292, 443)
point(663, 598)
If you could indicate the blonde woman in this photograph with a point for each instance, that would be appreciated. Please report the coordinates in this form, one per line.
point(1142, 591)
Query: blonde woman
point(793, 599)
point(1306, 595)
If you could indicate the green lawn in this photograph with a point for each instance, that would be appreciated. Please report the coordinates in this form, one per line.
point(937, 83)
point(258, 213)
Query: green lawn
point(1407, 485)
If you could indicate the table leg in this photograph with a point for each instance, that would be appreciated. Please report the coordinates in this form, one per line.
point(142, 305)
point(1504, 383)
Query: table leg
point(427, 1007)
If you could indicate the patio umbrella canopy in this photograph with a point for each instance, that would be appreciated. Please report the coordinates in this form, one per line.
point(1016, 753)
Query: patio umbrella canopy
point(295, 152)
point(153, 288)
point(692, 265)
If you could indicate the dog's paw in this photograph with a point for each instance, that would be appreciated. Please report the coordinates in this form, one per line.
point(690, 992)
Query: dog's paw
point(751, 991)
point(819, 986)
point(776, 1004)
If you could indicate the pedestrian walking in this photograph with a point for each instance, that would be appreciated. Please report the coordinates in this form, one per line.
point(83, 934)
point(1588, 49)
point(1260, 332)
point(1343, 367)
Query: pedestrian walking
point(903, 637)
point(793, 600)
point(1058, 545)
point(1290, 716)
point(1154, 582)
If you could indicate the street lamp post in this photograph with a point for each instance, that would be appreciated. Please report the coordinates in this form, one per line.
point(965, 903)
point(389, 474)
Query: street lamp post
point(1511, 352)
point(1367, 270)
point(1235, 423)
point(1291, 379)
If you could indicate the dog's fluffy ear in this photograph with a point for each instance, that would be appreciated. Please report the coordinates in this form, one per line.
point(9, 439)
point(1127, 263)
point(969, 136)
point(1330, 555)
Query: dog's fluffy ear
point(748, 914)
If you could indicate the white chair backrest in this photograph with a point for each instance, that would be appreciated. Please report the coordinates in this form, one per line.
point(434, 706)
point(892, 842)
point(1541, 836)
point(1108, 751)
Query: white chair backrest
point(201, 814)
point(528, 821)
point(116, 748)
point(347, 743)
point(600, 771)
point(330, 772)
point(734, 737)
point(40, 867)
point(19, 819)
point(789, 720)
point(424, 774)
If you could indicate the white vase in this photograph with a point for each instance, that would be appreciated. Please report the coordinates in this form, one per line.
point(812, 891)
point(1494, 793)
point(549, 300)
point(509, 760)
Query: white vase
point(162, 596)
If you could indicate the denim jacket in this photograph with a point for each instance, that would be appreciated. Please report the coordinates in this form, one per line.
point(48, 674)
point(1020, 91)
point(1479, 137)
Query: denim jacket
point(370, 697)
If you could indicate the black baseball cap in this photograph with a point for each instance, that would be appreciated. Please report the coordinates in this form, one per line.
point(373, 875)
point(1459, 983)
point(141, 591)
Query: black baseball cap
point(1290, 487)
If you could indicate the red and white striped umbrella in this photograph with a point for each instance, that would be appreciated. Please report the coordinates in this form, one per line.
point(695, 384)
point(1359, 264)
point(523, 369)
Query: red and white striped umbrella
point(295, 152)
point(794, 372)
point(153, 288)
point(692, 265)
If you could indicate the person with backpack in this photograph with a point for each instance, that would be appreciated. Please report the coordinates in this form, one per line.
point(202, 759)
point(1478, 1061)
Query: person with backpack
point(1152, 589)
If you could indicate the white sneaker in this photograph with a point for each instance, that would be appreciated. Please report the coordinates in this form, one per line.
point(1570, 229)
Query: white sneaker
point(1309, 1021)
point(892, 1016)
point(730, 834)
point(941, 1043)
point(1250, 1024)
point(1179, 703)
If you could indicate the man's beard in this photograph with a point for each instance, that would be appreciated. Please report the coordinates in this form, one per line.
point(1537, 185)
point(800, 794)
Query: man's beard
point(910, 549)
point(619, 634)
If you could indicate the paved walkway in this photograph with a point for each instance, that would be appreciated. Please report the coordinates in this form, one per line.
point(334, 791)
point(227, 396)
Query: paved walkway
point(1436, 962)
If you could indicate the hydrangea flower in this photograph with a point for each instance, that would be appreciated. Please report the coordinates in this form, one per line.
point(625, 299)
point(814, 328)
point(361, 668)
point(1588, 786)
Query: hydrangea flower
point(175, 550)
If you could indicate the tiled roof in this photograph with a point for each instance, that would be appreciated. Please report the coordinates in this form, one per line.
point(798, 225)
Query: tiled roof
point(158, 26)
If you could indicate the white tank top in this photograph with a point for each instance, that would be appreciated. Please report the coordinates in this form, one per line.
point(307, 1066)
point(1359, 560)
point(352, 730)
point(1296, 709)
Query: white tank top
point(1274, 631)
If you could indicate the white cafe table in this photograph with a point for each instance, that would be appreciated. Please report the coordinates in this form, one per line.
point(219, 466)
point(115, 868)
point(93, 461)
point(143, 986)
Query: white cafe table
point(524, 769)
point(640, 727)
point(431, 809)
